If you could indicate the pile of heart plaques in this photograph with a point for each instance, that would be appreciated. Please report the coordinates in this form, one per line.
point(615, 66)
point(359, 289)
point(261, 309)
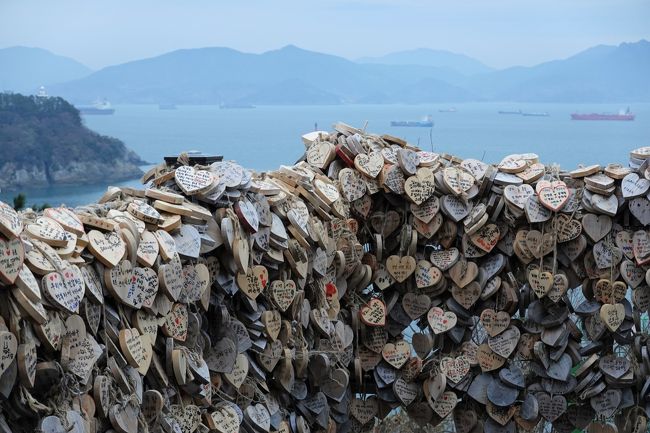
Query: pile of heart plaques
point(321, 296)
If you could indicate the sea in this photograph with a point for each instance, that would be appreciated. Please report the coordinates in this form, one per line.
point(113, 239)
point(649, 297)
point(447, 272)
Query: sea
point(265, 137)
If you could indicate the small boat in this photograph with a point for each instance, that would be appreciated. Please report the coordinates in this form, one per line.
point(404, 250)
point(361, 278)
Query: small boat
point(447, 110)
point(622, 115)
point(427, 122)
point(535, 114)
point(166, 106)
point(234, 105)
point(99, 107)
point(510, 112)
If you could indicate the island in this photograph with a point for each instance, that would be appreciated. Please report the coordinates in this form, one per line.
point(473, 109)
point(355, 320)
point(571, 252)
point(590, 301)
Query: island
point(43, 143)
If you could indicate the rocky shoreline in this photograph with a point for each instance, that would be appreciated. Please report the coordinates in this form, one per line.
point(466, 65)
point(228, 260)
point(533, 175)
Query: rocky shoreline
point(44, 143)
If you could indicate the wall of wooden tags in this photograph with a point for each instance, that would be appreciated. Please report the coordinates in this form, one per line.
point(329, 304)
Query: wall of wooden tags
point(320, 296)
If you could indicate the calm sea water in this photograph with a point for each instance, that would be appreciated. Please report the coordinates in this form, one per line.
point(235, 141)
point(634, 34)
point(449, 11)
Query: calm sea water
point(266, 137)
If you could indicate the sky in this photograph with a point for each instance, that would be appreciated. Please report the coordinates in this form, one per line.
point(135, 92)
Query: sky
point(500, 33)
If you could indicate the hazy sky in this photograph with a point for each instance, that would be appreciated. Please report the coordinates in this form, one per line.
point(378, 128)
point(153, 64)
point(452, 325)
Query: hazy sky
point(498, 32)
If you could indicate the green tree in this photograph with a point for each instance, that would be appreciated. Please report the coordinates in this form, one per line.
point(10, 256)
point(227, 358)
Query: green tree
point(19, 201)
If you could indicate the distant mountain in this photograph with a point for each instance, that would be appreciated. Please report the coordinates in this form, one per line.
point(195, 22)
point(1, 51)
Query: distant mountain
point(436, 58)
point(44, 143)
point(24, 69)
point(599, 74)
point(292, 75)
point(286, 76)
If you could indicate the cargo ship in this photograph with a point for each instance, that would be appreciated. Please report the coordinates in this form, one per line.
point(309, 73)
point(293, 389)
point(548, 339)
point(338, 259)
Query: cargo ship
point(99, 107)
point(535, 113)
point(510, 111)
point(621, 115)
point(427, 122)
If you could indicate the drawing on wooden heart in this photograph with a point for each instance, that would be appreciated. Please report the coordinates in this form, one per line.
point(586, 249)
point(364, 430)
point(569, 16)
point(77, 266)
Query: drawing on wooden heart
point(107, 247)
point(353, 187)
point(11, 225)
point(369, 164)
point(396, 354)
point(455, 368)
point(415, 305)
point(11, 259)
point(400, 267)
point(373, 313)
point(134, 286)
point(65, 289)
point(193, 181)
point(612, 315)
point(9, 345)
point(540, 282)
point(253, 282)
point(426, 275)
point(441, 321)
point(554, 196)
point(420, 186)
point(457, 180)
point(494, 322)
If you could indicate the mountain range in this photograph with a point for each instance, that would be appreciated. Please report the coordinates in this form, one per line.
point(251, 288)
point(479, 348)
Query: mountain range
point(292, 75)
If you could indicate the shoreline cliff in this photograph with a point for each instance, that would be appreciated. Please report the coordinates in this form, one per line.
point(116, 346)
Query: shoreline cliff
point(44, 143)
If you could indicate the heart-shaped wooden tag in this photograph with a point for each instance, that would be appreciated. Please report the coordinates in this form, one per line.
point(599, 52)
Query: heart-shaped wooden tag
point(135, 287)
point(193, 181)
point(458, 181)
point(493, 322)
point(400, 267)
point(283, 293)
point(65, 289)
point(11, 224)
point(634, 186)
point(551, 408)
point(176, 321)
point(445, 403)
point(253, 282)
point(506, 342)
point(11, 259)
point(396, 354)
point(364, 410)
point(487, 359)
point(369, 164)
point(445, 259)
point(107, 247)
point(353, 186)
point(239, 371)
point(272, 322)
point(426, 275)
point(468, 295)
point(540, 282)
point(373, 313)
point(136, 349)
point(455, 368)
point(612, 315)
point(441, 321)
point(554, 196)
point(420, 186)
point(487, 237)
point(9, 345)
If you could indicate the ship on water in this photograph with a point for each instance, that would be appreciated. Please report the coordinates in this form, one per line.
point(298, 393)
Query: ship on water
point(626, 115)
point(535, 113)
point(99, 107)
point(427, 122)
point(510, 112)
